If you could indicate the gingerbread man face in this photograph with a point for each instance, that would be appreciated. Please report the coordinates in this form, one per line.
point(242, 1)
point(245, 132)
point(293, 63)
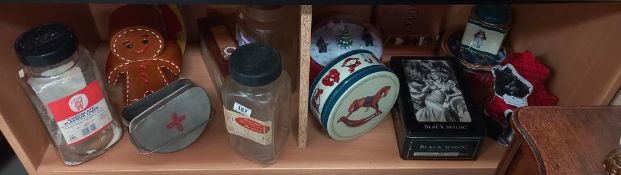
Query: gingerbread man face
point(137, 43)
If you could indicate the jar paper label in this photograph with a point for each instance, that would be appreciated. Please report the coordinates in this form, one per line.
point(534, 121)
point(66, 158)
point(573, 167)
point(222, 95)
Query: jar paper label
point(81, 114)
point(481, 39)
point(247, 127)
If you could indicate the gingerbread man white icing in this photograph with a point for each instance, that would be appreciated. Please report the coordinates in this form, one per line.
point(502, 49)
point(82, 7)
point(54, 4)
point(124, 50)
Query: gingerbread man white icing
point(146, 61)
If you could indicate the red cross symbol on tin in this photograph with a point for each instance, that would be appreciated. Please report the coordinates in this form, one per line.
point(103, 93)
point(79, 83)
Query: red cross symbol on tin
point(176, 121)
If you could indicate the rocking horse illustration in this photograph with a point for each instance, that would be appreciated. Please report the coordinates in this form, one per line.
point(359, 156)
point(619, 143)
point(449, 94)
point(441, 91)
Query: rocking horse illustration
point(368, 102)
point(368, 59)
point(315, 99)
point(332, 77)
point(351, 66)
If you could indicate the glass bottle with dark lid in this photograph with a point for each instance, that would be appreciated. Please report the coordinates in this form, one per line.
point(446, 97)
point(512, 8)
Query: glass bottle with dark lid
point(255, 99)
point(64, 85)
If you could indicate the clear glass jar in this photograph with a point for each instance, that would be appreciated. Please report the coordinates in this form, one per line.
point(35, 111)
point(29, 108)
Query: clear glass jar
point(275, 25)
point(269, 24)
point(256, 99)
point(64, 85)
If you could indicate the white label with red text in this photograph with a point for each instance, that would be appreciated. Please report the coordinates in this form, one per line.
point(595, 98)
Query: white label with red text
point(81, 114)
point(247, 127)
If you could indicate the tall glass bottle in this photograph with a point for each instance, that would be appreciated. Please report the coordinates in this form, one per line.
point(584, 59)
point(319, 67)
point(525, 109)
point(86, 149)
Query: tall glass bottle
point(256, 103)
point(64, 85)
point(275, 25)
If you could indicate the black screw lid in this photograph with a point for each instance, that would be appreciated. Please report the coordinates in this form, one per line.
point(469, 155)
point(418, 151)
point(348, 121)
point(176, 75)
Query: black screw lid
point(46, 45)
point(255, 64)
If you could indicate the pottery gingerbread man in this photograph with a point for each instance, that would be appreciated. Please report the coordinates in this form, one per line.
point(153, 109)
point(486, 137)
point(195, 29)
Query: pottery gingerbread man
point(141, 56)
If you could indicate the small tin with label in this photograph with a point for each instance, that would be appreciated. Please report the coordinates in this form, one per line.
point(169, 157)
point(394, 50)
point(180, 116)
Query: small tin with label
point(169, 119)
point(353, 94)
point(451, 46)
point(486, 30)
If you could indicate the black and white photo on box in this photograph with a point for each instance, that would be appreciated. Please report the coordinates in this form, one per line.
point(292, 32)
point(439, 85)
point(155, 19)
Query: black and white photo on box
point(434, 90)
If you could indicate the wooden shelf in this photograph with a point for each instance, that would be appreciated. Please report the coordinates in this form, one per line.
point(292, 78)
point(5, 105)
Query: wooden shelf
point(375, 152)
point(558, 38)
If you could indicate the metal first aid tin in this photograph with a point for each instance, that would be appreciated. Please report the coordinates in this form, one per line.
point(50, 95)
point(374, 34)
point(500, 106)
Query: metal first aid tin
point(169, 119)
point(352, 94)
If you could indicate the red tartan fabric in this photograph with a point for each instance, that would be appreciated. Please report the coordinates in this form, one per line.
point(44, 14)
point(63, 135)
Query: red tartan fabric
point(481, 87)
point(536, 73)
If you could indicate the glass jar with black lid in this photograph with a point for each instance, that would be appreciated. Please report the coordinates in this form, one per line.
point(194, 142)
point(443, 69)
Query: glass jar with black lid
point(256, 102)
point(65, 86)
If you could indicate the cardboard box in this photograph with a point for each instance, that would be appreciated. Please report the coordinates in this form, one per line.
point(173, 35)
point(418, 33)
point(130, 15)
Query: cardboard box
point(434, 119)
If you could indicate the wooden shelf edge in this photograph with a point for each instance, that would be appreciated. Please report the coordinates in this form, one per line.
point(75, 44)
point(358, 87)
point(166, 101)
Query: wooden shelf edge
point(306, 15)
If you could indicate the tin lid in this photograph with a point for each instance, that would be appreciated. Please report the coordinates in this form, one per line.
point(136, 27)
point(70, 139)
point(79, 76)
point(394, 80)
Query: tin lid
point(493, 13)
point(340, 34)
point(170, 119)
point(355, 102)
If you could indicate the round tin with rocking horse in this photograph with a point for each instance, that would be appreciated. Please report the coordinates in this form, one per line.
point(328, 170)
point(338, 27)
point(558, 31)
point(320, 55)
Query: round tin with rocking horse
point(352, 94)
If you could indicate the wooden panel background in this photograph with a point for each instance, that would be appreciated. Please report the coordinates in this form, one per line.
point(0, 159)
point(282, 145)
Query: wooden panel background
point(617, 99)
point(321, 12)
point(579, 42)
point(19, 121)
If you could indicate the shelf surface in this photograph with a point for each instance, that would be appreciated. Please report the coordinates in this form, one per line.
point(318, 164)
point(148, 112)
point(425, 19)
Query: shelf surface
point(375, 152)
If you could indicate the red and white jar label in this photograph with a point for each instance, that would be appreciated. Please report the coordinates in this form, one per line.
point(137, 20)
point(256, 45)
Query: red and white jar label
point(81, 114)
point(248, 127)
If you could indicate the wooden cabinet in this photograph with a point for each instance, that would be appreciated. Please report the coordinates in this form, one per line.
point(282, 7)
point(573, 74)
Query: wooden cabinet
point(578, 42)
point(562, 140)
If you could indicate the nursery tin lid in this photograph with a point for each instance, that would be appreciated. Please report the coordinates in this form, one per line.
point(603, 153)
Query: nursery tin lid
point(338, 35)
point(169, 119)
point(359, 100)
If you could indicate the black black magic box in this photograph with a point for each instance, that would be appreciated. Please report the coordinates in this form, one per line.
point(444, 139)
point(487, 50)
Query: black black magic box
point(434, 119)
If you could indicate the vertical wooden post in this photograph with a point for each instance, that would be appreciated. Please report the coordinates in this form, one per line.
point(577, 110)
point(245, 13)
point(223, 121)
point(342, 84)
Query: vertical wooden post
point(306, 15)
